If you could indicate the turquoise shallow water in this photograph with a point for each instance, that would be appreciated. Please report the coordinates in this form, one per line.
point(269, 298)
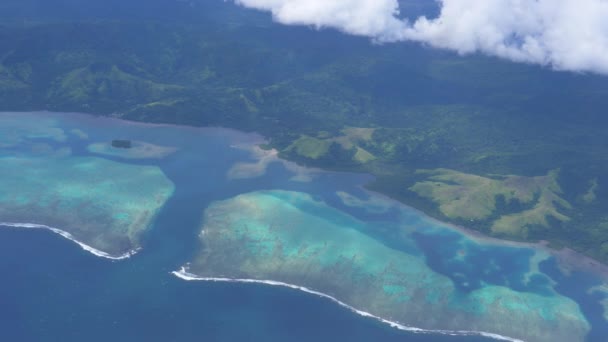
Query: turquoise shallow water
point(60, 292)
point(46, 180)
point(291, 237)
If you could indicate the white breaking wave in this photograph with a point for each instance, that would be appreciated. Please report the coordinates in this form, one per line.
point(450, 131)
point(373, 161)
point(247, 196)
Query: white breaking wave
point(70, 237)
point(185, 275)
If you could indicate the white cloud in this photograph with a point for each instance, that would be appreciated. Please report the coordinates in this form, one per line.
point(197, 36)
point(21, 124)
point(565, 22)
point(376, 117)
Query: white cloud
point(564, 34)
point(374, 18)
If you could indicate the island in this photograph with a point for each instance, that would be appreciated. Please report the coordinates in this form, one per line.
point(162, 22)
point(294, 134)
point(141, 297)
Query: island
point(122, 143)
point(128, 149)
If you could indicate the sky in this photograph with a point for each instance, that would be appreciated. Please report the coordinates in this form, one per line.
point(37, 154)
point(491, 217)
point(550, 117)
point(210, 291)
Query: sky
point(569, 35)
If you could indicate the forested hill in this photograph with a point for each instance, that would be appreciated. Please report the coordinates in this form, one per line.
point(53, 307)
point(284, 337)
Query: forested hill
point(513, 150)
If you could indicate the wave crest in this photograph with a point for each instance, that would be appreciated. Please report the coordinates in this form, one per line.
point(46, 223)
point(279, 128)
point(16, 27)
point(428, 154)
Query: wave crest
point(70, 237)
point(185, 275)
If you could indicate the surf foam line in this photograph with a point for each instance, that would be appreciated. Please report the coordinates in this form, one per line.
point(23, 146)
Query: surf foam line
point(185, 275)
point(70, 237)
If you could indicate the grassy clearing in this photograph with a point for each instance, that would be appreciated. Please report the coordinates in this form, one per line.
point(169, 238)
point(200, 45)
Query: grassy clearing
point(471, 197)
point(310, 147)
point(350, 139)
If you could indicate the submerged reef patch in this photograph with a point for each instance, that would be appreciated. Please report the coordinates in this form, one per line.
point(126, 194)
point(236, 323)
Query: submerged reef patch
point(290, 237)
point(104, 204)
point(15, 128)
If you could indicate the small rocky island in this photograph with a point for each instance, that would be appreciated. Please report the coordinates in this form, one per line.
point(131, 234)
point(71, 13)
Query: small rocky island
point(131, 149)
point(118, 143)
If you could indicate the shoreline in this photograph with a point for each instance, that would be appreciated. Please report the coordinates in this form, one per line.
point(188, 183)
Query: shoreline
point(253, 138)
point(185, 275)
point(70, 237)
point(567, 258)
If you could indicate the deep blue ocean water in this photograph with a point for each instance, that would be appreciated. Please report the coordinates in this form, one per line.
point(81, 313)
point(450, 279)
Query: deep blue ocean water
point(52, 290)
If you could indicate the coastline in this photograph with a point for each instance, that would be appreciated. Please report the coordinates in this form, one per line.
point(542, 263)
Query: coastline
point(70, 237)
point(253, 138)
point(185, 275)
point(570, 260)
point(566, 257)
